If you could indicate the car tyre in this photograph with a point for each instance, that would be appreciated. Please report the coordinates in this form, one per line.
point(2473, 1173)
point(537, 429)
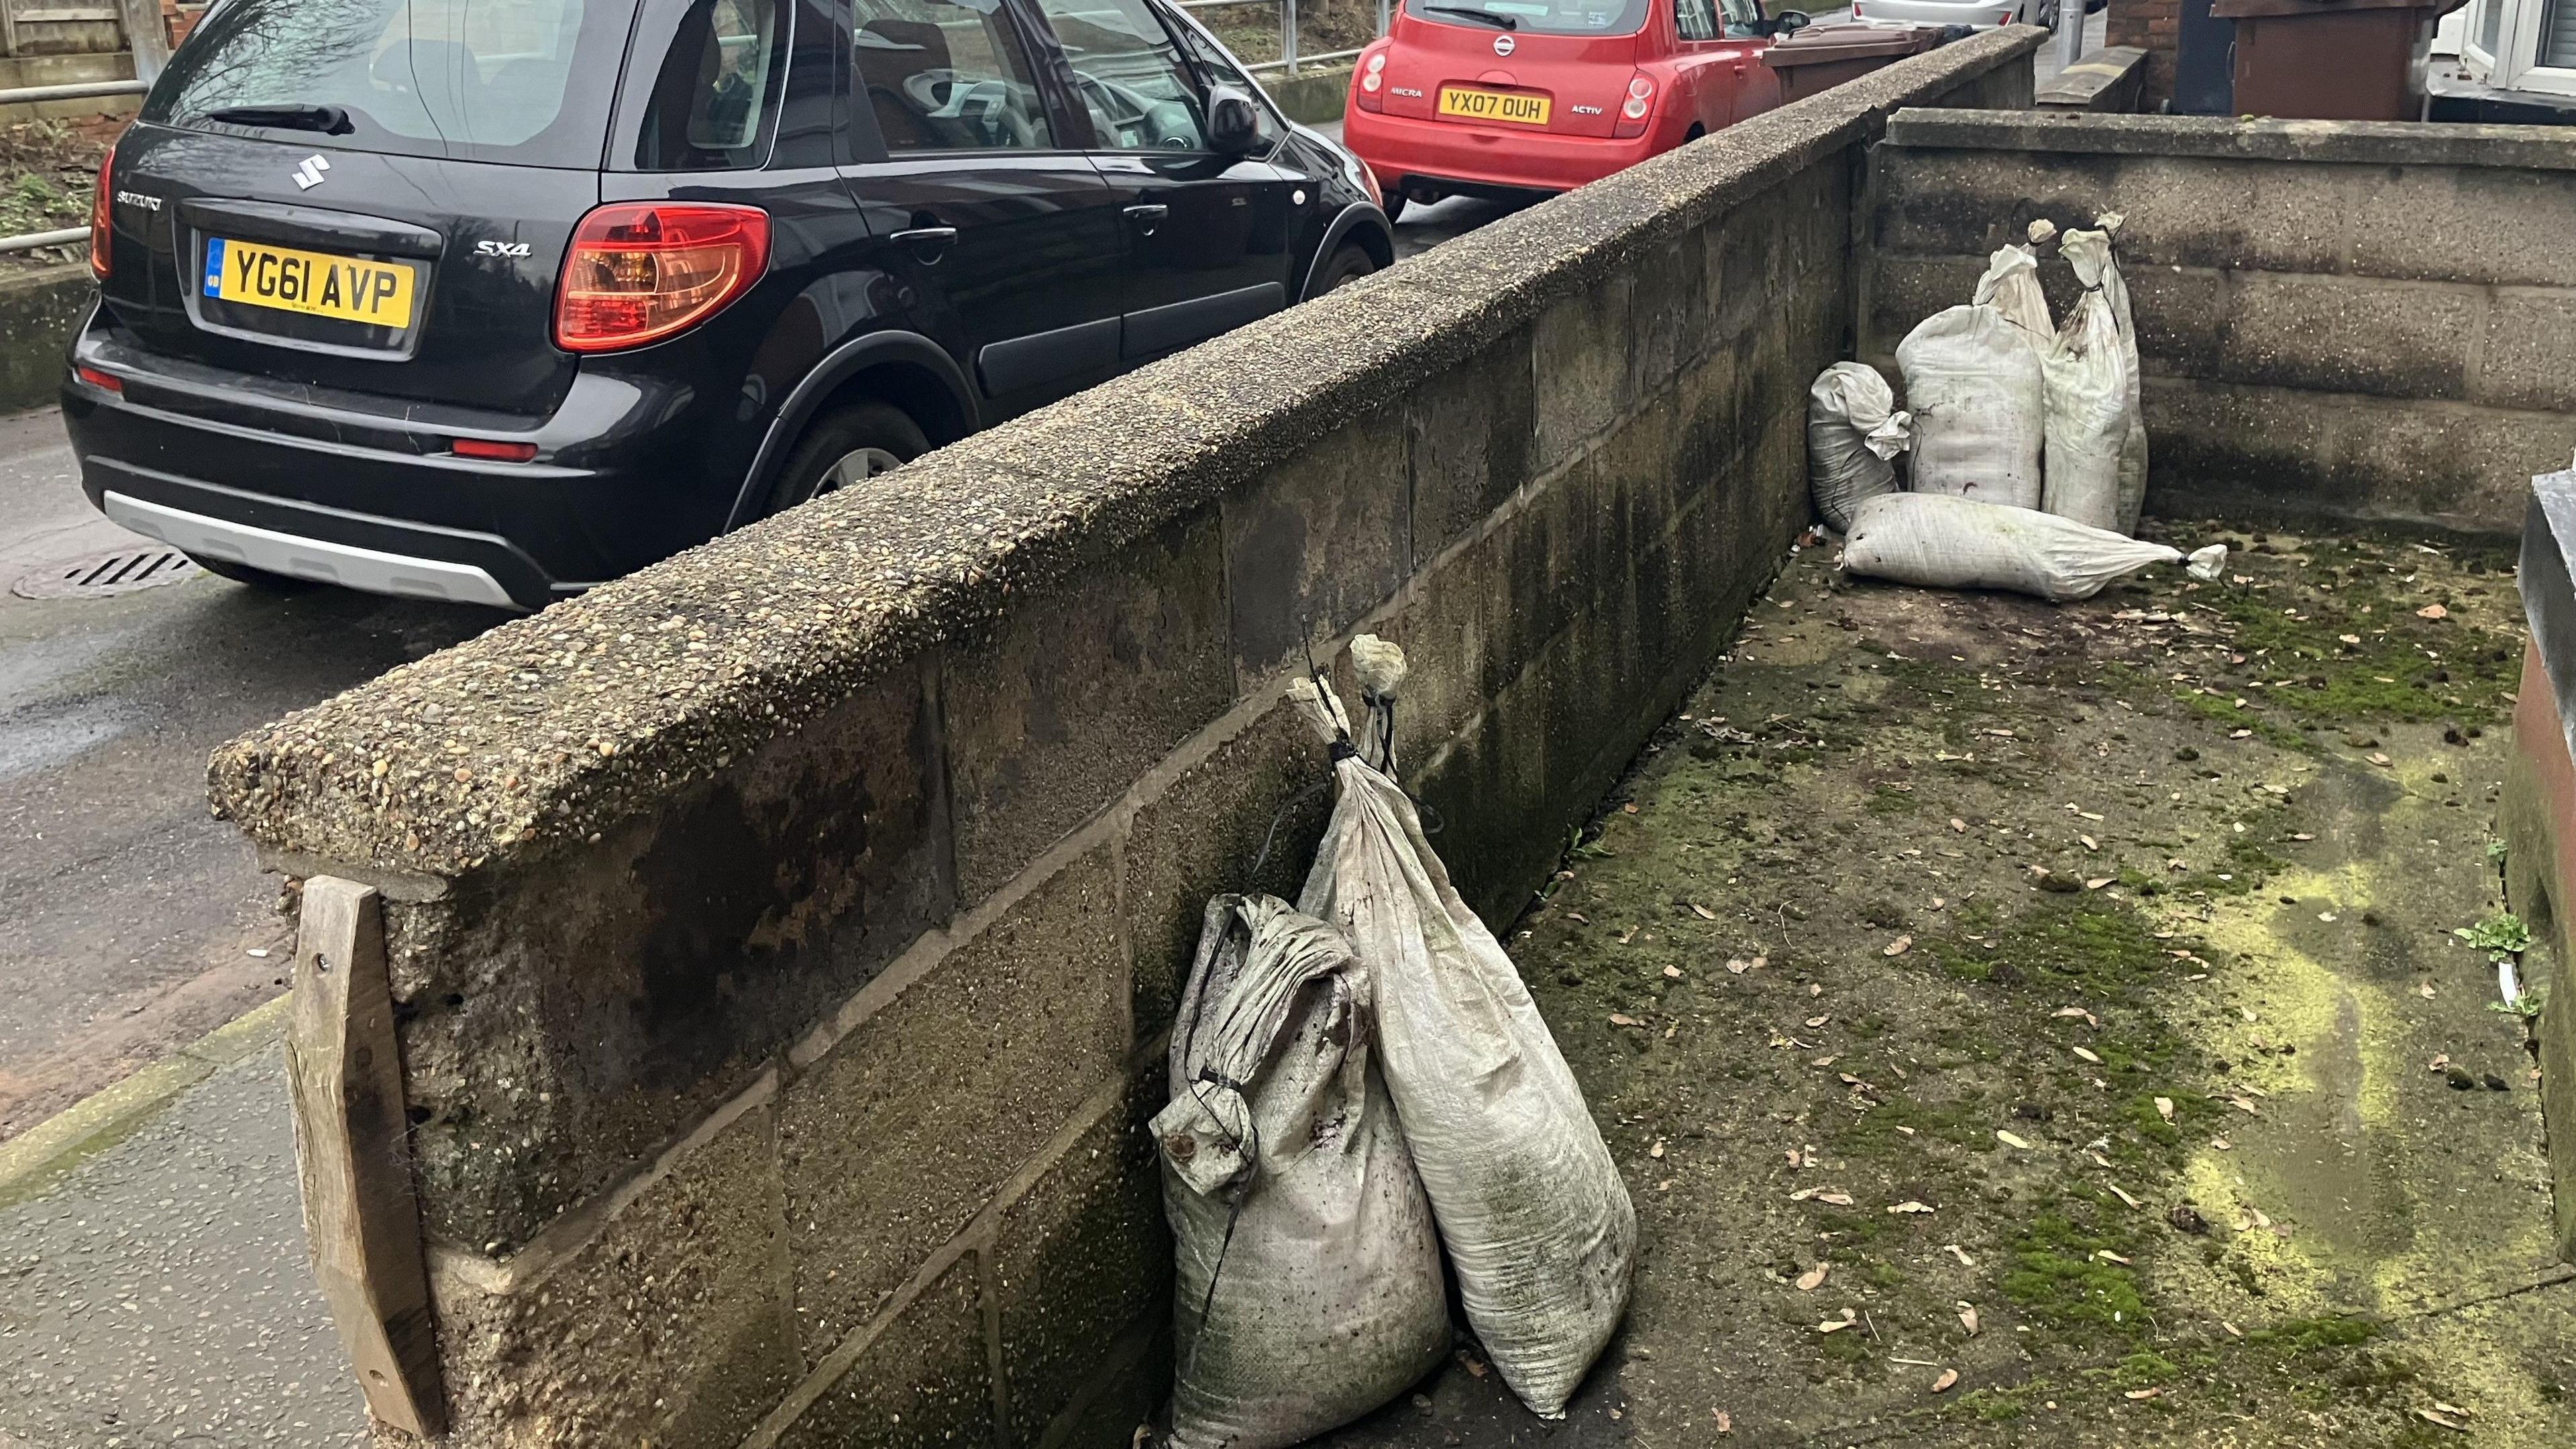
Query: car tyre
point(846, 446)
point(1347, 266)
point(1394, 207)
point(242, 573)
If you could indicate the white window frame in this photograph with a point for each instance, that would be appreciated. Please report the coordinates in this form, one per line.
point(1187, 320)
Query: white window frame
point(2516, 67)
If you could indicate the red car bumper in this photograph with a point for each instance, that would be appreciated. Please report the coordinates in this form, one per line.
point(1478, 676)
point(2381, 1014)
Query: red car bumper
point(1397, 147)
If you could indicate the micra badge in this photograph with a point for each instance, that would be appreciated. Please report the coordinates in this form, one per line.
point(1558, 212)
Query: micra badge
point(308, 172)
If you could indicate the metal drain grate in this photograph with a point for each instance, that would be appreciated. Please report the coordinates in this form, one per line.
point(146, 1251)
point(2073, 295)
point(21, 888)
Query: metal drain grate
point(105, 574)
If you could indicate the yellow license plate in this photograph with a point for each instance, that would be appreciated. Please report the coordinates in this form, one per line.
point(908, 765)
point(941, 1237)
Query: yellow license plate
point(1477, 105)
point(316, 284)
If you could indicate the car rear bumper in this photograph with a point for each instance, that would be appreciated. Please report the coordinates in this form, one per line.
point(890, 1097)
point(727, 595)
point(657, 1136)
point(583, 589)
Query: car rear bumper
point(302, 556)
point(314, 487)
point(1396, 148)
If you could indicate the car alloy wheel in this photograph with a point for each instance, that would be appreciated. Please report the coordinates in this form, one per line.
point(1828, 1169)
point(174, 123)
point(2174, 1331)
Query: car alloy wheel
point(857, 466)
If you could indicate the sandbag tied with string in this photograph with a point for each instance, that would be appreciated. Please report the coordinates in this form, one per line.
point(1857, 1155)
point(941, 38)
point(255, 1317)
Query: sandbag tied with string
point(1310, 1290)
point(1537, 1222)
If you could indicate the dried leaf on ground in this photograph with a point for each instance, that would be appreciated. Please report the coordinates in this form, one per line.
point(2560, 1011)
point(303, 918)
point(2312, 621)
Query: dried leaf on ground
point(1911, 1206)
point(1968, 1318)
point(2164, 1108)
point(2012, 1140)
point(1955, 1251)
point(1812, 1279)
point(1942, 1384)
point(2086, 1055)
point(1898, 947)
point(1703, 912)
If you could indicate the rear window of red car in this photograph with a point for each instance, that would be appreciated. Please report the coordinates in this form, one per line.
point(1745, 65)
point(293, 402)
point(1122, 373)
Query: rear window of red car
point(1544, 17)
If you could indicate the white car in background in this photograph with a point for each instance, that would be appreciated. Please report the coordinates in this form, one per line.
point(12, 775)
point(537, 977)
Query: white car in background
point(1977, 14)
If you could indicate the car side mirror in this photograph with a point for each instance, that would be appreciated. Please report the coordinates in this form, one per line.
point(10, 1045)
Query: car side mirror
point(1234, 122)
point(1790, 22)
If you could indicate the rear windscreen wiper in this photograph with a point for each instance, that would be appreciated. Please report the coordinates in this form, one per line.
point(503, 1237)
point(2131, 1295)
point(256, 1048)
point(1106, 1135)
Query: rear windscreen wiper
point(1487, 16)
point(329, 120)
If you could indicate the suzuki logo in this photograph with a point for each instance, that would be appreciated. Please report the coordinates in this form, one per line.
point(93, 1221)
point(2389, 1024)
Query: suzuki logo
point(308, 173)
point(1502, 45)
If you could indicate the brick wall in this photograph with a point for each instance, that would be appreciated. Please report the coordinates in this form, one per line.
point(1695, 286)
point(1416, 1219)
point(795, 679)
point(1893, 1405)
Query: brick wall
point(2151, 26)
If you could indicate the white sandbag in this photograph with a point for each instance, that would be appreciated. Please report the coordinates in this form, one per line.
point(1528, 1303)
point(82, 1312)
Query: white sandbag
point(1972, 380)
point(1853, 429)
point(1957, 543)
point(1532, 1209)
point(1310, 1289)
point(2089, 391)
point(2011, 286)
point(2133, 448)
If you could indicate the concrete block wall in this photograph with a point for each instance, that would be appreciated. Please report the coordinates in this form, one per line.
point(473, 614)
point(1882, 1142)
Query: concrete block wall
point(2371, 319)
point(785, 938)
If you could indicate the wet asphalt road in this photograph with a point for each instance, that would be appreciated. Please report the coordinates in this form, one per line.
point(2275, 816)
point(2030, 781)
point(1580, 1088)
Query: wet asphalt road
point(127, 915)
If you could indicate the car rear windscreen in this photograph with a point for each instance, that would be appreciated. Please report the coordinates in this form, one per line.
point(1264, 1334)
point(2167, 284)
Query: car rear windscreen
point(522, 81)
point(1546, 17)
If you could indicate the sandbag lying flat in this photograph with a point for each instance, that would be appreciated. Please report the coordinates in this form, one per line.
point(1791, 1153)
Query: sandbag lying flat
point(1536, 1219)
point(1310, 1289)
point(1853, 429)
point(1957, 543)
point(1973, 382)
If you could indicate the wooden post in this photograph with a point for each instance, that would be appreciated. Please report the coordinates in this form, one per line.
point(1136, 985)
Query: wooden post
point(146, 36)
point(361, 1218)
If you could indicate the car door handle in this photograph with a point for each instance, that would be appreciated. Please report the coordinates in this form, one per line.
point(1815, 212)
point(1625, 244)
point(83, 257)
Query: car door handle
point(1148, 216)
point(932, 242)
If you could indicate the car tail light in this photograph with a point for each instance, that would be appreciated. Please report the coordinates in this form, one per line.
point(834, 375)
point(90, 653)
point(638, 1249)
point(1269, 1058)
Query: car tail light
point(1372, 83)
point(639, 271)
point(497, 451)
point(103, 381)
point(1637, 107)
point(100, 218)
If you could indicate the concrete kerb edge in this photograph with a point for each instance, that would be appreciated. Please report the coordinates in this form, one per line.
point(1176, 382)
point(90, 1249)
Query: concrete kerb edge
point(103, 1118)
point(2375, 143)
point(1204, 420)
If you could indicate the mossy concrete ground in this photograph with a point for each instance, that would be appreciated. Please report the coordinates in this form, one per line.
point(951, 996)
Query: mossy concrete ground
point(2065, 997)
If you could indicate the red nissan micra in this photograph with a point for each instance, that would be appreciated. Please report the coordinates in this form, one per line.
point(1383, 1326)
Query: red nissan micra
point(1508, 97)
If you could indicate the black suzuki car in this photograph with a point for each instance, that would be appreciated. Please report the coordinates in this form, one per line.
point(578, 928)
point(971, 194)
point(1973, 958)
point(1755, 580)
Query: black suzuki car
point(492, 300)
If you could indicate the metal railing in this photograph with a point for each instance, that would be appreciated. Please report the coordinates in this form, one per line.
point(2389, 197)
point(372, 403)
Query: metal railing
point(1289, 59)
point(28, 242)
point(74, 91)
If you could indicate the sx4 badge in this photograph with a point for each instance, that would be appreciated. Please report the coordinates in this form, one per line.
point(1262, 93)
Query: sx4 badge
point(500, 249)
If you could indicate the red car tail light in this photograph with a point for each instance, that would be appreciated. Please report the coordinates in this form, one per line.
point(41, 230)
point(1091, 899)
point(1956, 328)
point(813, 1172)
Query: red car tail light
point(1372, 83)
point(640, 271)
point(100, 218)
point(498, 452)
point(103, 381)
point(1639, 105)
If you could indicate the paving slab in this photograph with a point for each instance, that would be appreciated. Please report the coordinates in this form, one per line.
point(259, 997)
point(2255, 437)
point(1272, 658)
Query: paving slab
point(155, 1290)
